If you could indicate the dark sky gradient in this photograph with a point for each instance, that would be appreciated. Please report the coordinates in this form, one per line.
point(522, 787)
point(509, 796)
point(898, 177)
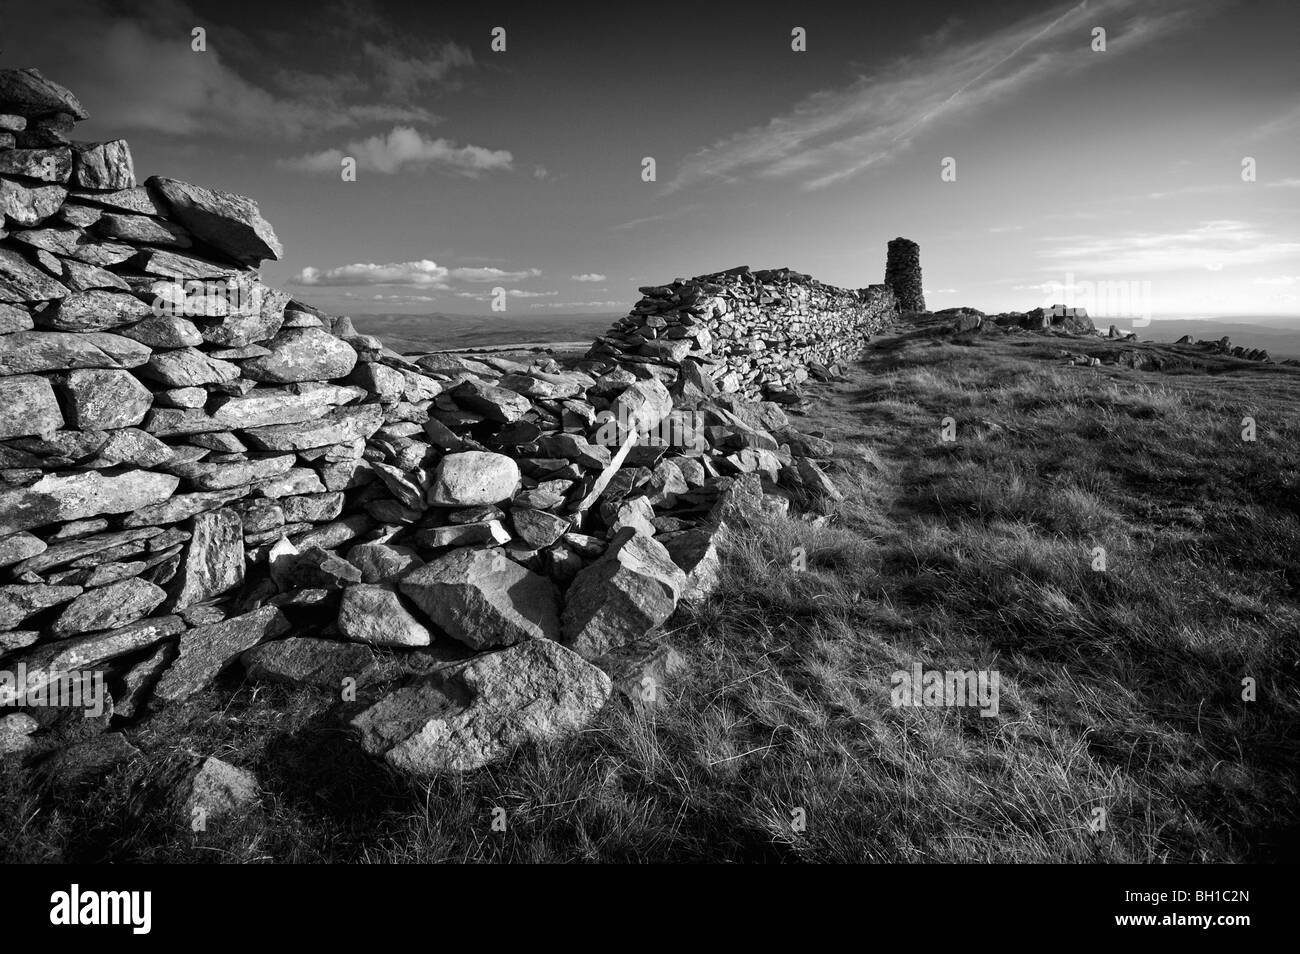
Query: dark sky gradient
point(524, 168)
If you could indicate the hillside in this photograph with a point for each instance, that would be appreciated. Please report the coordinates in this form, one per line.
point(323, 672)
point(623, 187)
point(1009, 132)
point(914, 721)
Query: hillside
point(1120, 689)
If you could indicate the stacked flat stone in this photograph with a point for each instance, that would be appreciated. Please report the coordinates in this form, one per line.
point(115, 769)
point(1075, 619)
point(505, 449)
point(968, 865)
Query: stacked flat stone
point(903, 274)
point(198, 472)
point(747, 332)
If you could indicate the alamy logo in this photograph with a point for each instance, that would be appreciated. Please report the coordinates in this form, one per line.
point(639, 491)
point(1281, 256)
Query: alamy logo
point(681, 428)
point(75, 907)
point(946, 687)
point(53, 689)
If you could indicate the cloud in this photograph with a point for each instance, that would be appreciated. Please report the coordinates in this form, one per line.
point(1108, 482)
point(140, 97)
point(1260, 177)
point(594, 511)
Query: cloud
point(579, 304)
point(402, 147)
point(1283, 280)
point(493, 274)
point(836, 133)
point(134, 69)
point(510, 293)
point(1209, 245)
point(404, 75)
point(588, 277)
point(423, 274)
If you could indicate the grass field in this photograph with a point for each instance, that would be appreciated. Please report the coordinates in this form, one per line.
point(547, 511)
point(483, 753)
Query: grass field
point(1120, 689)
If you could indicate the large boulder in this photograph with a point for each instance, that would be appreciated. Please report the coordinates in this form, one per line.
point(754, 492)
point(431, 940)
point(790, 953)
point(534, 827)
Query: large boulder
point(483, 598)
point(77, 495)
point(630, 590)
point(473, 713)
point(25, 92)
point(473, 478)
point(302, 354)
point(230, 223)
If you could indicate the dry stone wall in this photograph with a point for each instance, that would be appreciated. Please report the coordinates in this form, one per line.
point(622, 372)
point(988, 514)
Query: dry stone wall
point(749, 332)
point(200, 474)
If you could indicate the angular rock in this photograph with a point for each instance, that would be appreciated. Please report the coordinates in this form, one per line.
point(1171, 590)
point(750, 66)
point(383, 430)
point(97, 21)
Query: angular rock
point(489, 532)
point(621, 597)
point(258, 318)
point(483, 598)
point(302, 661)
point(188, 367)
point(217, 792)
point(164, 331)
point(21, 281)
point(229, 223)
point(375, 615)
point(207, 476)
point(27, 351)
point(214, 560)
point(206, 650)
point(696, 554)
point(538, 528)
point(313, 568)
point(98, 399)
point(27, 406)
point(103, 165)
point(496, 404)
point(378, 562)
point(108, 607)
point(20, 601)
point(181, 507)
point(28, 206)
point(25, 92)
point(48, 165)
point(470, 714)
point(74, 496)
point(335, 427)
point(20, 546)
point(302, 354)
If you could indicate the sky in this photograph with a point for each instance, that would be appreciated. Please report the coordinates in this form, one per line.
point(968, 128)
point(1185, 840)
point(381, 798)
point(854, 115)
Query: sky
point(1159, 175)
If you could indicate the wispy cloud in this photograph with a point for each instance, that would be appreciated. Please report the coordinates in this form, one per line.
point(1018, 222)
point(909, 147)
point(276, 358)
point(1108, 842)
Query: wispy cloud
point(405, 147)
point(134, 68)
point(1211, 245)
point(493, 274)
point(510, 293)
point(423, 273)
point(834, 134)
point(588, 277)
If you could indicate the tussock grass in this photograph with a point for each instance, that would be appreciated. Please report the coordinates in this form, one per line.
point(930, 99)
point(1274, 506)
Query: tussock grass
point(1119, 690)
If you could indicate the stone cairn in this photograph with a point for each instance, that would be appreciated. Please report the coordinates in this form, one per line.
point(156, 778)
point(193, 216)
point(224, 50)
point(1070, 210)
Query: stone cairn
point(751, 333)
point(200, 473)
point(903, 274)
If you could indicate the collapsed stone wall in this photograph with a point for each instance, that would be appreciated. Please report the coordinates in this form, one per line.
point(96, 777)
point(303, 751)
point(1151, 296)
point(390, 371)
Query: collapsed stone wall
point(748, 332)
point(200, 473)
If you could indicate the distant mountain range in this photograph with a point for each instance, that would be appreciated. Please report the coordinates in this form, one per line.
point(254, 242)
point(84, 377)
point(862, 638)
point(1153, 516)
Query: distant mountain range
point(438, 332)
point(1280, 337)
